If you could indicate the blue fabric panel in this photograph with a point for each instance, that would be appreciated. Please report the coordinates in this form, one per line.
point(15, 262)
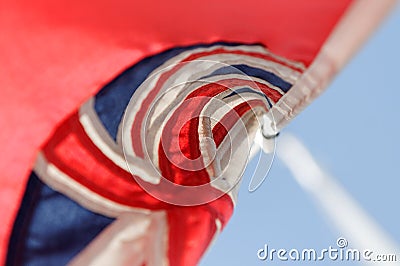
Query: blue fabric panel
point(50, 228)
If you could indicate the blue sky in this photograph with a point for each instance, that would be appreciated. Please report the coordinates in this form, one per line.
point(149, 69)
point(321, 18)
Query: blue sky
point(353, 130)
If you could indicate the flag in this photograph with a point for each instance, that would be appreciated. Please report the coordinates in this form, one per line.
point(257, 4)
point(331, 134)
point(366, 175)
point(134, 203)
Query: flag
point(143, 113)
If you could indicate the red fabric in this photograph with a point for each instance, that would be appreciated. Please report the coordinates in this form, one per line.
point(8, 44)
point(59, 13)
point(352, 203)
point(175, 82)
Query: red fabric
point(137, 145)
point(182, 136)
point(222, 127)
point(56, 54)
point(67, 148)
point(191, 229)
point(70, 144)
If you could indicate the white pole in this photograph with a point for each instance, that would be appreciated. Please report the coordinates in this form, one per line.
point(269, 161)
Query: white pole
point(348, 216)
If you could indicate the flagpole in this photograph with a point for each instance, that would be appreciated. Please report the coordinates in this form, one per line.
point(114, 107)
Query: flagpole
point(347, 215)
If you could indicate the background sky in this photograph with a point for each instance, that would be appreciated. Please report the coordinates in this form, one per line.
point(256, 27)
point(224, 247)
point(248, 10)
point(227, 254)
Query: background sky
point(353, 130)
